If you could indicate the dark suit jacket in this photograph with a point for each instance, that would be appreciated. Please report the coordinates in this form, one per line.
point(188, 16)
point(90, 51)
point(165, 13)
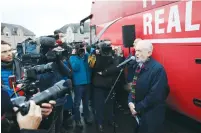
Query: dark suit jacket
point(151, 93)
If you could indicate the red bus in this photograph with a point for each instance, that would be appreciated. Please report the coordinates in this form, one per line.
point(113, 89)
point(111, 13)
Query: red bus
point(174, 29)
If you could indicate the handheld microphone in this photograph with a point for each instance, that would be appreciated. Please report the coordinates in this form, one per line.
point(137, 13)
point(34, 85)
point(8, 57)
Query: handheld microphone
point(126, 61)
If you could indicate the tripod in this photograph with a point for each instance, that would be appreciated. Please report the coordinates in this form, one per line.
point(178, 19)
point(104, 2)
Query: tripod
point(114, 98)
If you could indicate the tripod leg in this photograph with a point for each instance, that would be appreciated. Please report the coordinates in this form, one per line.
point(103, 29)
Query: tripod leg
point(112, 92)
point(114, 107)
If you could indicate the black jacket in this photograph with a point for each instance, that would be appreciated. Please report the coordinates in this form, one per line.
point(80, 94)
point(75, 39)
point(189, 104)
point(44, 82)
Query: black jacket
point(107, 66)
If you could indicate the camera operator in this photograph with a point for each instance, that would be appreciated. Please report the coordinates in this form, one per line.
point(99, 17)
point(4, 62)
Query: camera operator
point(26, 124)
point(49, 53)
point(67, 102)
point(81, 82)
point(7, 65)
point(105, 73)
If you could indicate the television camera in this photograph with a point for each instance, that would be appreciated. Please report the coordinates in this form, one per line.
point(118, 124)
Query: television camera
point(79, 47)
point(102, 51)
point(42, 50)
point(41, 56)
point(30, 80)
point(105, 48)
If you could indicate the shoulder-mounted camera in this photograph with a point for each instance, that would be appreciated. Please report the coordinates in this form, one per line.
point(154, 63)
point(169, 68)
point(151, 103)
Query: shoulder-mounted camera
point(105, 48)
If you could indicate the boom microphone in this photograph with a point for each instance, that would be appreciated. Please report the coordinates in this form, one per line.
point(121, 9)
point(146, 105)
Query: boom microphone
point(126, 61)
point(45, 41)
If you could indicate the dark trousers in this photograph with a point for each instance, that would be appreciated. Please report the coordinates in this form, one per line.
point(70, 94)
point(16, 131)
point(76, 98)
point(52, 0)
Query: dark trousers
point(81, 93)
point(59, 121)
point(91, 98)
point(121, 96)
point(99, 103)
point(152, 121)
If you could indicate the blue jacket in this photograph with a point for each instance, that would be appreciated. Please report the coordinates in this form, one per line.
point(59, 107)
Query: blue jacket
point(81, 70)
point(5, 73)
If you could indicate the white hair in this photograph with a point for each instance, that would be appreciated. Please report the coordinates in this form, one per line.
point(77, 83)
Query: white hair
point(145, 44)
point(136, 41)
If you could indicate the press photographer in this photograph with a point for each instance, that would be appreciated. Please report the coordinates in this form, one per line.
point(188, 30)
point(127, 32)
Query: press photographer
point(8, 70)
point(66, 117)
point(48, 51)
point(105, 72)
point(56, 54)
point(81, 82)
point(44, 50)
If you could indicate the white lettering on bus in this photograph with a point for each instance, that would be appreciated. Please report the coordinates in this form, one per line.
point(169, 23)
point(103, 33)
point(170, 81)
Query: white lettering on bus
point(159, 21)
point(188, 22)
point(147, 19)
point(173, 20)
point(153, 2)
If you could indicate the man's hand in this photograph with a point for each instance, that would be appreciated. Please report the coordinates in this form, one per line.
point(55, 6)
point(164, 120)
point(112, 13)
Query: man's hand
point(133, 112)
point(46, 108)
point(19, 85)
point(32, 120)
point(132, 108)
point(100, 73)
point(73, 51)
point(97, 52)
point(131, 105)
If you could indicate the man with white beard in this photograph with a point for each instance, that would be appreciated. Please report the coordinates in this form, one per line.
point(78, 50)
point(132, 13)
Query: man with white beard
point(149, 89)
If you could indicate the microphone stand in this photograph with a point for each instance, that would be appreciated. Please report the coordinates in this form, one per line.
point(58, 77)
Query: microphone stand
point(113, 94)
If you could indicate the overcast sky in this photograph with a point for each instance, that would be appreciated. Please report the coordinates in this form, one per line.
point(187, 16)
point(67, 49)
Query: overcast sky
point(44, 16)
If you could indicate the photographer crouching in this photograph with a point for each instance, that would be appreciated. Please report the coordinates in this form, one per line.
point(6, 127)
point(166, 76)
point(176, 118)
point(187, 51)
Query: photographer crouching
point(105, 73)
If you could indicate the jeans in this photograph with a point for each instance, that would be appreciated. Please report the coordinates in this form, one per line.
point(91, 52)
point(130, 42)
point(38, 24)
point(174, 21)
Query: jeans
point(81, 93)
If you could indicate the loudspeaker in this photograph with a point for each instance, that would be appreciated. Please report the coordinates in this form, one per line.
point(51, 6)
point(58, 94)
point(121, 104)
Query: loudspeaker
point(128, 34)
